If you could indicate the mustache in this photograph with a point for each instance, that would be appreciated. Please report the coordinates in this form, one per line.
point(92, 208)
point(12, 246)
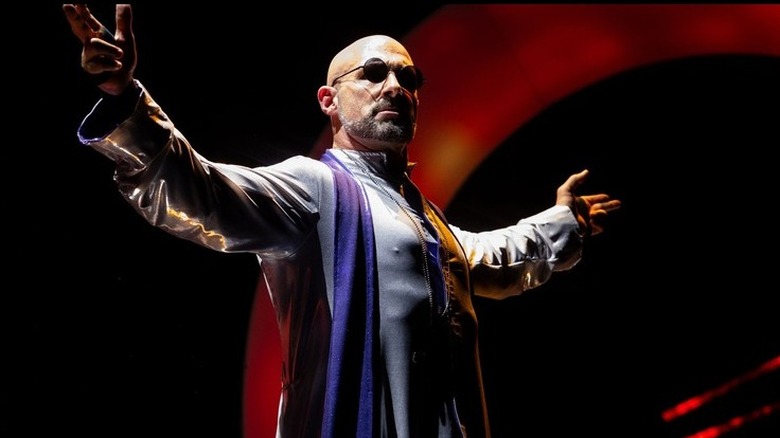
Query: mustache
point(400, 104)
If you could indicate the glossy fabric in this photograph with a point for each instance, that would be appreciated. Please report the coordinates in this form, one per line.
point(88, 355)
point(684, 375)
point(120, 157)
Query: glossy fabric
point(284, 215)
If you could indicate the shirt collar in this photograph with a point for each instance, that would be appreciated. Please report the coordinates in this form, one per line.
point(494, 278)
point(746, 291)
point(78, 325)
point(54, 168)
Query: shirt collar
point(383, 164)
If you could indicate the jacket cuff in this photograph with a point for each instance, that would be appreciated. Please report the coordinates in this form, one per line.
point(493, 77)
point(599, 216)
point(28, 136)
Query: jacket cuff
point(129, 129)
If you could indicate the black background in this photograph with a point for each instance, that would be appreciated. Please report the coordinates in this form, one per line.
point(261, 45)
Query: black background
point(117, 329)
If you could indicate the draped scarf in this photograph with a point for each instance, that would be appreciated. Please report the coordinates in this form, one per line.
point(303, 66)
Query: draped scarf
point(352, 379)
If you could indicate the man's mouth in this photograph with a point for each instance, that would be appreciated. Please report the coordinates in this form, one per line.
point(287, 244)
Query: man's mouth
point(387, 113)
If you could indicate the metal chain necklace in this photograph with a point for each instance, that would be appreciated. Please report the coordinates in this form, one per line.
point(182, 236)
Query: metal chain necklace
point(415, 223)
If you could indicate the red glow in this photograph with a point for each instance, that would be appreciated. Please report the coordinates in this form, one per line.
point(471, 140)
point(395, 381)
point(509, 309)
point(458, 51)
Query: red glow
point(696, 402)
point(262, 377)
point(492, 68)
point(736, 422)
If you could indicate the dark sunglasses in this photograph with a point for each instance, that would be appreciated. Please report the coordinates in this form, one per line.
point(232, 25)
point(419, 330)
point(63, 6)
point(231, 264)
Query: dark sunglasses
point(376, 71)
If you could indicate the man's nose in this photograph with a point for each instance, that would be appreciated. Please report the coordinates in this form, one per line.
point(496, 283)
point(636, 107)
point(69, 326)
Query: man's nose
point(391, 85)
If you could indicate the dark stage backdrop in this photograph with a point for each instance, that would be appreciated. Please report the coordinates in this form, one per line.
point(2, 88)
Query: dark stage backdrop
point(118, 329)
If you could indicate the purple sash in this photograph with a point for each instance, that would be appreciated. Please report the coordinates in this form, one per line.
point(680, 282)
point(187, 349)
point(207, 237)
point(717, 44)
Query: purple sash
point(351, 379)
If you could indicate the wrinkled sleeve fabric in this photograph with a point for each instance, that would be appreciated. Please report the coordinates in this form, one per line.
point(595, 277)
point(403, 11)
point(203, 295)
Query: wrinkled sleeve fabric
point(266, 210)
point(508, 261)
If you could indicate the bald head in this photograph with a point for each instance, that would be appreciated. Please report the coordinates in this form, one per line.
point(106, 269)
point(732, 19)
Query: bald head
point(355, 54)
point(372, 106)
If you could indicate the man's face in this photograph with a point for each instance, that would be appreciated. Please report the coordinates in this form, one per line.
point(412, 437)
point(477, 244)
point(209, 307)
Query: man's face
point(376, 108)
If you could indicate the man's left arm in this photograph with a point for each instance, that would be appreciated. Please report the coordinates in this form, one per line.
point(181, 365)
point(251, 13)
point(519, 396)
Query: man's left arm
point(508, 261)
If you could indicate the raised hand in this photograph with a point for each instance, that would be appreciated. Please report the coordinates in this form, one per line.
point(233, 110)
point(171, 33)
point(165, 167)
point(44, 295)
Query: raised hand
point(590, 210)
point(109, 58)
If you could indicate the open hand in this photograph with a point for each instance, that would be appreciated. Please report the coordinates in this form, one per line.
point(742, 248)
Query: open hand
point(590, 210)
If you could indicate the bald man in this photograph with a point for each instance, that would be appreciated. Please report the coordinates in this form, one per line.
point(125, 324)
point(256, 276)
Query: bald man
point(372, 287)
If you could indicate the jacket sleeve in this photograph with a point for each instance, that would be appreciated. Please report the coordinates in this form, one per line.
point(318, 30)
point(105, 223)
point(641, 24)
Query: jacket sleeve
point(508, 261)
point(265, 210)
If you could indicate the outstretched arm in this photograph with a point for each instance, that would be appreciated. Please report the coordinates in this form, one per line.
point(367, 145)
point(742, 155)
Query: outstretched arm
point(267, 211)
point(590, 210)
point(507, 261)
point(109, 58)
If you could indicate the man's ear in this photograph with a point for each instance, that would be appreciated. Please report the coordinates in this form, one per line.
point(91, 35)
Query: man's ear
point(327, 99)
